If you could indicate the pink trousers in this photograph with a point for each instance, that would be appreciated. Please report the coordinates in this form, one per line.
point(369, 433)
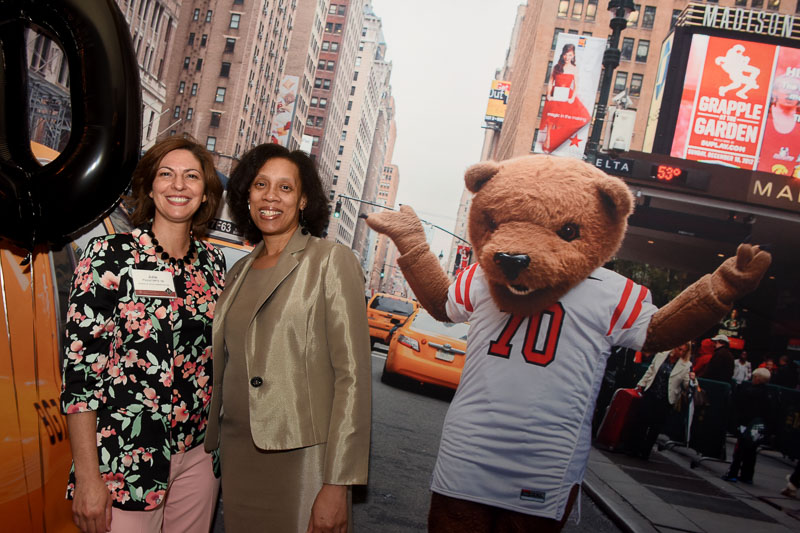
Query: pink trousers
point(189, 503)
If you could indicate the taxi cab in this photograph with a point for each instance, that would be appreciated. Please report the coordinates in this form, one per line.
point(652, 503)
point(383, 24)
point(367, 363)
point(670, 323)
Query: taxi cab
point(385, 312)
point(427, 350)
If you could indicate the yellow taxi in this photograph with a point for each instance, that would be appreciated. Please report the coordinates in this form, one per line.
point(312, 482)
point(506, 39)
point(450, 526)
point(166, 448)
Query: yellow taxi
point(385, 312)
point(427, 350)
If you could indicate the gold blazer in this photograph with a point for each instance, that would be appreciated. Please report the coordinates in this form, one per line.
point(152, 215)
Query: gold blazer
point(308, 357)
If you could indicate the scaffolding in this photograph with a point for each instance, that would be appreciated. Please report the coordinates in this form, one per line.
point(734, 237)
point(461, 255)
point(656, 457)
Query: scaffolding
point(50, 112)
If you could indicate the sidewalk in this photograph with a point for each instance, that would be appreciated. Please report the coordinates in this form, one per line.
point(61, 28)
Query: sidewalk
point(665, 494)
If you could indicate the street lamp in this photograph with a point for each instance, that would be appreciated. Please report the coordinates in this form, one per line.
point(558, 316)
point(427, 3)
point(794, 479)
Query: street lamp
point(621, 9)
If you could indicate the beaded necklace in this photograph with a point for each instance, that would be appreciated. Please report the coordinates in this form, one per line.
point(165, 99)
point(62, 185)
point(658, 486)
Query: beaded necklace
point(186, 259)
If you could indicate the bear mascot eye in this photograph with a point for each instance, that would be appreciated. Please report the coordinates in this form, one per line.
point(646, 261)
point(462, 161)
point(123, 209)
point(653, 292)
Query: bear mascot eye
point(569, 231)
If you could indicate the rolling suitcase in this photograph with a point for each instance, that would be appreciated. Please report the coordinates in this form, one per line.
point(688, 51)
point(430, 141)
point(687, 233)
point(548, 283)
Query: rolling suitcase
point(619, 417)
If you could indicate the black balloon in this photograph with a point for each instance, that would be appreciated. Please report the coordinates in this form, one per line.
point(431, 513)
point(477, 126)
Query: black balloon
point(47, 205)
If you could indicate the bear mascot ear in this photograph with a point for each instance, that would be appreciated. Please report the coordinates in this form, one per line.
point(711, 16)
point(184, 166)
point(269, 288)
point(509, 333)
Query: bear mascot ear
point(477, 175)
point(615, 197)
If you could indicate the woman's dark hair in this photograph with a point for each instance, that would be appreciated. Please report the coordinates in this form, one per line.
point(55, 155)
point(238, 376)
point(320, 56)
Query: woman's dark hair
point(559, 68)
point(315, 214)
point(144, 174)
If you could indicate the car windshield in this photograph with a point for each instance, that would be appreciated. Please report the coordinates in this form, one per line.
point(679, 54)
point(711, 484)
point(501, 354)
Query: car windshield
point(425, 322)
point(392, 305)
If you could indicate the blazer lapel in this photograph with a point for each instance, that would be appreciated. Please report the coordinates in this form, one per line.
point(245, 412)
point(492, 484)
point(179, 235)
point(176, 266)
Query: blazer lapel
point(287, 262)
point(231, 289)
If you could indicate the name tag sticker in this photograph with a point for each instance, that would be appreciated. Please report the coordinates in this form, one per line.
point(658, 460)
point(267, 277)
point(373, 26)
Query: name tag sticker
point(153, 284)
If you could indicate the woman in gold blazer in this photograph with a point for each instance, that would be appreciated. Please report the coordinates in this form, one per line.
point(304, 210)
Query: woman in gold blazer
point(290, 409)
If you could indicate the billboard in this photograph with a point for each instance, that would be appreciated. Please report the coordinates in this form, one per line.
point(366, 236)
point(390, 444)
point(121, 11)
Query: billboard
point(498, 100)
point(739, 105)
point(284, 112)
point(571, 92)
point(658, 93)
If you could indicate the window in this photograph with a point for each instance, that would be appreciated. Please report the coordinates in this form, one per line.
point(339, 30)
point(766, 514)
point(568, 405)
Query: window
point(220, 96)
point(323, 103)
point(344, 135)
point(314, 101)
point(337, 28)
point(633, 17)
point(555, 36)
point(355, 76)
point(332, 9)
point(225, 69)
point(335, 177)
point(334, 47)
point(215, 117)
point(774, 4)
point(319, 122)
point(199, 64)
point(338, 164)
point(326, 45)
point(541, 104)
point(636, 84)
point(194, 89)
point(208, 15)
point(757, 3)
point(627, 48)
point(347, 120)
point(563, 7)
point(177, 112)
point(620, 81)
point(181, 87)
point(238, 2)
point(230, 44)
point(352, 90)
point(321, 64)
point(341, 10)
point(649, 16)
point(549, 69)
point(350, 105)
point(742, 3)
point(211, 144)
point(189, 113)
point(329, 27)
point(310, 120)
point(642, 50)
point(317, 83)
point(330, 65)
point(191, 39)
point(591, 10)
point(203, 40)
point(675, 14)
point(332, 195)
point(341, 150)
point(196, 15)
point(185, 63)
point(577, 9)
point(235, 18)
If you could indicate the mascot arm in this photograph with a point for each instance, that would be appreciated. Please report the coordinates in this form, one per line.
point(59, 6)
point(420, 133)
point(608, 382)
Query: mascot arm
point(706, 301)
point(420, 267)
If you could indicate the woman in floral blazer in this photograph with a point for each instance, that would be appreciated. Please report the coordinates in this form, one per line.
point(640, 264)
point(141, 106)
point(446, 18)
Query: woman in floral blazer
point(138, 364)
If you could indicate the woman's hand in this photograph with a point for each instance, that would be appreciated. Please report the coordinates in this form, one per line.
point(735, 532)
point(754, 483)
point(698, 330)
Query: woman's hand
point(329, 512)
point(91, 505)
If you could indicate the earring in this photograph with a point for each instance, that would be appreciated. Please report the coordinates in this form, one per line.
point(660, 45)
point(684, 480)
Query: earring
point(248, 205)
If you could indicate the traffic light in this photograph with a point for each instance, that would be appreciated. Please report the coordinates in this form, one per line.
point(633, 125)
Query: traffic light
point(382, 273)
point(337, 211)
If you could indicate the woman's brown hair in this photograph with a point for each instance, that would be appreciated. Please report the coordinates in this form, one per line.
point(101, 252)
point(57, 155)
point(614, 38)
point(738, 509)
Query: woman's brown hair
point(145, 173)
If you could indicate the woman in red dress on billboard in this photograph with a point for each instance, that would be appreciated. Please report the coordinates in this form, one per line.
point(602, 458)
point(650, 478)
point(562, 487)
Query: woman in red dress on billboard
point(564, 114)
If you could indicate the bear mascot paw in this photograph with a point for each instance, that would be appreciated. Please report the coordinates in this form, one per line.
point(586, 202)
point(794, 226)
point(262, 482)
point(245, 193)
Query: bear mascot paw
point(544, 316)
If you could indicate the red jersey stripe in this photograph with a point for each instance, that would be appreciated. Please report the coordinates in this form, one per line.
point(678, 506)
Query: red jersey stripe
point(637, 308)
point(623, 301)
point(459, 299)
point(467, 302)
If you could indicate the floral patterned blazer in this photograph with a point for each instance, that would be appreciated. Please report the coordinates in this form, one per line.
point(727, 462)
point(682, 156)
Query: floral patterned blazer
point(142, 363)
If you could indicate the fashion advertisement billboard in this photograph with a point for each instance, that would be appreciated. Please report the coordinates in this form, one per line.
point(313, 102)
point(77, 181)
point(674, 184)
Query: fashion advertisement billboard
point(739, 105)
point(284, 112)
point(570, 97)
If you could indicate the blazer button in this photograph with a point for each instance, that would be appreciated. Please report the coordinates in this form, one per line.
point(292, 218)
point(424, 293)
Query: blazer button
point(256, 381)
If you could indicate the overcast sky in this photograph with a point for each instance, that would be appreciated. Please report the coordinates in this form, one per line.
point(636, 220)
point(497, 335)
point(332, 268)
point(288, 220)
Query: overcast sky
point(444, 54)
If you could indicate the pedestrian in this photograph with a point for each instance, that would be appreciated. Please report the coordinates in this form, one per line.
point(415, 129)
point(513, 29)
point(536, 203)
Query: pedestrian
point(742, 370)
point(295, 385)
point(137, 368)
point(668, 374)
point(785, 374)
point(792, 482)
point(751, 403)
point(720, 367)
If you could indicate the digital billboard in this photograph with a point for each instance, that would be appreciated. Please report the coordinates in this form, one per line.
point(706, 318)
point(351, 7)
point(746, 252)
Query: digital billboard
point(739, 105)
point(571, 92)
point(498, 100)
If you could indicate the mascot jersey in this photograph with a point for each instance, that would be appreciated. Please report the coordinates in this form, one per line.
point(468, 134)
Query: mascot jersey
point(518, 431)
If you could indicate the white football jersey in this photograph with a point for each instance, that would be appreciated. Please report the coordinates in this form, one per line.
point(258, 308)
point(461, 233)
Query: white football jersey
point(518, 431)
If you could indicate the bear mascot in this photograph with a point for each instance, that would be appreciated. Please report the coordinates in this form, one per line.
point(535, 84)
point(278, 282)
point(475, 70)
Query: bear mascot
point(544, 316)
